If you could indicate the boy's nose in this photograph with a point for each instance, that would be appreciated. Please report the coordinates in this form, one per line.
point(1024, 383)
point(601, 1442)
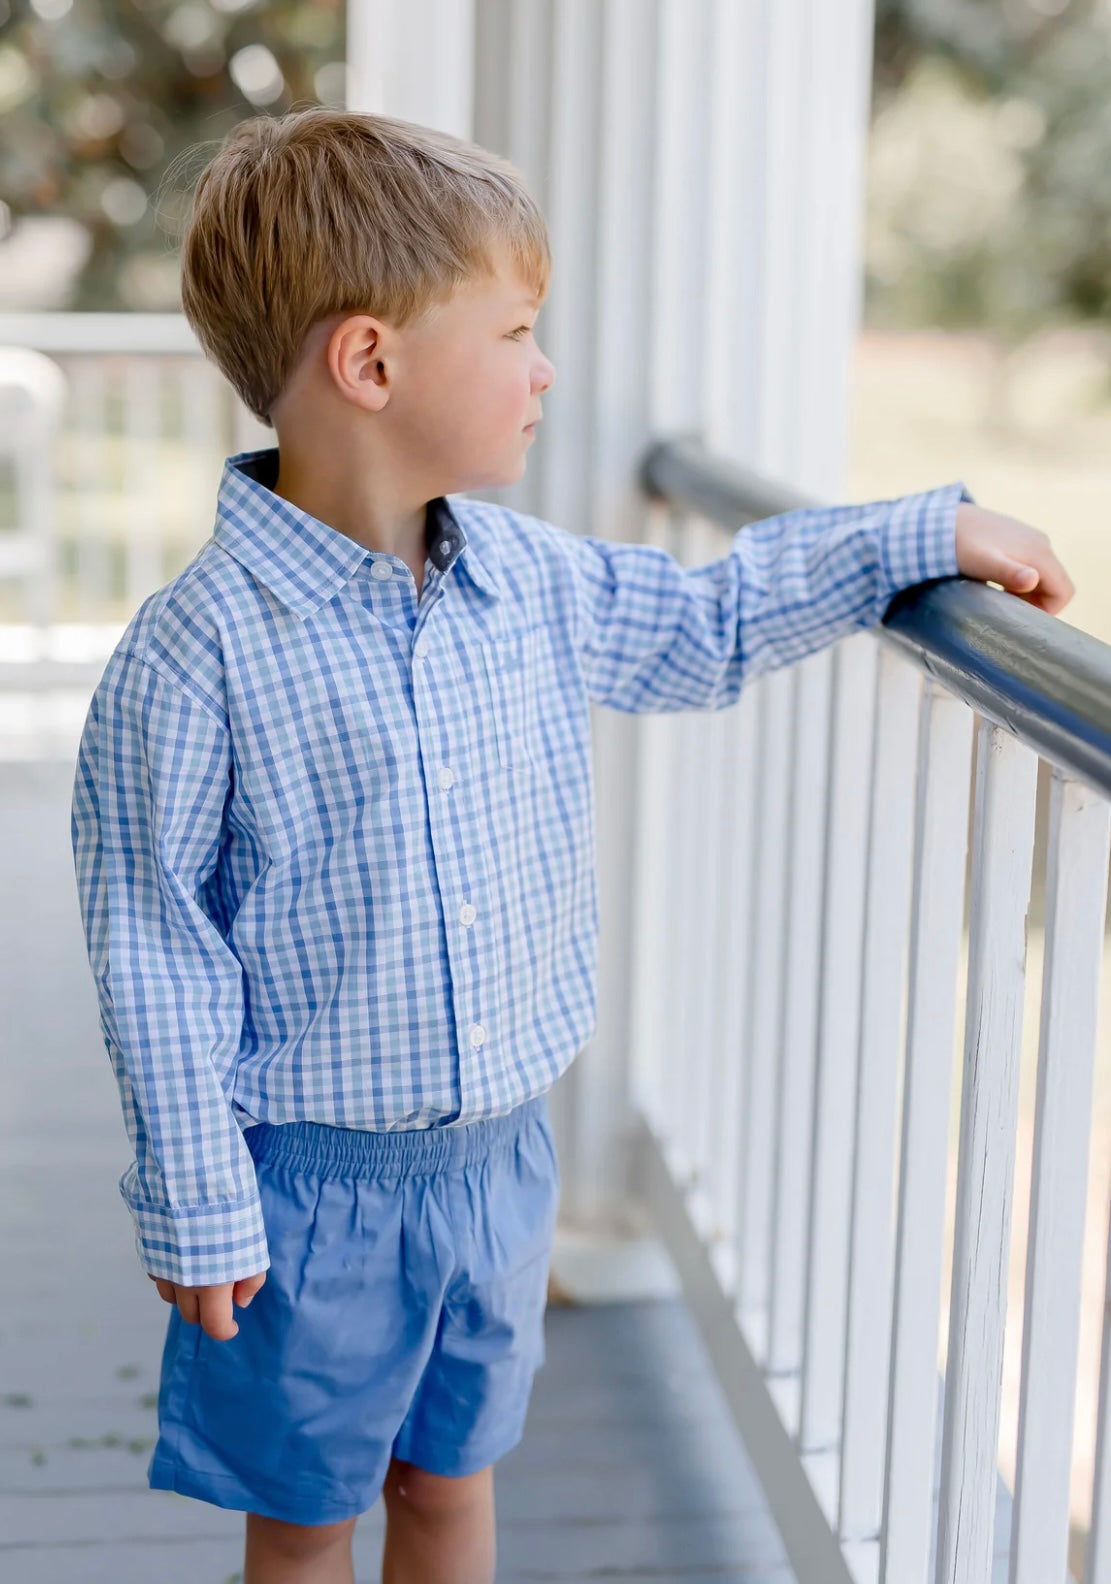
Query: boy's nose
point(543, 376)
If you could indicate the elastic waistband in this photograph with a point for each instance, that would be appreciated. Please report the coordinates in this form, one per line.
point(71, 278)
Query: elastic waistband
point(340, 1151)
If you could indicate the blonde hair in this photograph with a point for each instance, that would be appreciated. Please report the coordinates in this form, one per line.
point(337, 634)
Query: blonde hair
point(323, 212)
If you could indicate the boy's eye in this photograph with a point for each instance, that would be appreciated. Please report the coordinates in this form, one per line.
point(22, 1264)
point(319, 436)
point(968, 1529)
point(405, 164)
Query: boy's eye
point(522, 330)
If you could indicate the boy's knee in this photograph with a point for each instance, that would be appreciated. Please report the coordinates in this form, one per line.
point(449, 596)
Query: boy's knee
point(434, 1498)
point(296, 1541)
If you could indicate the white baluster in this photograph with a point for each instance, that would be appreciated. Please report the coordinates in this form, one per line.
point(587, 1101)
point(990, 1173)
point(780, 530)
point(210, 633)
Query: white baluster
point(940, 852)
point(1098, 1560)
point(717, 808)
point(652, 926)
point(1076, 901)
point(142, 434)
point(1003, 835)
point(763, 1035)
point(90, 410)
point(735, 931)
point(795, 1118)
point(887, 927)
point(842, 937)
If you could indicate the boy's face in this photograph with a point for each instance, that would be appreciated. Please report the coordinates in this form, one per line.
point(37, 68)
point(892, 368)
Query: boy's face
point(468, 380)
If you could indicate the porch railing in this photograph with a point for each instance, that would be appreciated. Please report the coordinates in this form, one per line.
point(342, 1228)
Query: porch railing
point(144, 427)
point(801, 952)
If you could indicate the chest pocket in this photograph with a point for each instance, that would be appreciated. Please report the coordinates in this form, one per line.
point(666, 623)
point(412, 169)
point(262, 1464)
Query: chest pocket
point(511, 676)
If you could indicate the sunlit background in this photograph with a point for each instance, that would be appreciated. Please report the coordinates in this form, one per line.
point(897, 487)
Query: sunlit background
point(986, 349)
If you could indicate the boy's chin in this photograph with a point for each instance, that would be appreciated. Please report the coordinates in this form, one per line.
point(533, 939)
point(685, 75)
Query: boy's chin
point(497, 478)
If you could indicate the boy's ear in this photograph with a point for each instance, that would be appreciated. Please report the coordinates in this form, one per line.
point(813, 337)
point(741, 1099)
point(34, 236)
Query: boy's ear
point(357, 362)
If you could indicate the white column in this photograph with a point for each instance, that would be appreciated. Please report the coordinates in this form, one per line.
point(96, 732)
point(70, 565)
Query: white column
point(413, 60)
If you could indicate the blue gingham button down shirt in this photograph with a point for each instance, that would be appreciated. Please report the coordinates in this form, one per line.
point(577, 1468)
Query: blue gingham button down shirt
point(334, 842)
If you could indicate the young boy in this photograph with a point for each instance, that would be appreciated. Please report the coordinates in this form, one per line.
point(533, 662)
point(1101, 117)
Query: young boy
point(333, 834)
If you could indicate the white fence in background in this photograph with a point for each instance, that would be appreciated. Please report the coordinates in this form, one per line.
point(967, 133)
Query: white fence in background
point(32, 392)
point(144, 426)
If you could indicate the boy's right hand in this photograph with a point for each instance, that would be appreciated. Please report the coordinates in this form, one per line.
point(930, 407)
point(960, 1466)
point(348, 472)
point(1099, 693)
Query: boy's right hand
point(211, 1307)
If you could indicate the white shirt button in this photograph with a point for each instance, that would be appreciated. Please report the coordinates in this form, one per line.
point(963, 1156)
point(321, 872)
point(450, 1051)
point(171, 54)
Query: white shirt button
point(420, 648)
point(381, 570)
point(446, 777)
point(467, 914)
point(478, 1035)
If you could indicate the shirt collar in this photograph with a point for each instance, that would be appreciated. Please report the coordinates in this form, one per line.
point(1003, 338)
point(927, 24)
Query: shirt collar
point(302, 560)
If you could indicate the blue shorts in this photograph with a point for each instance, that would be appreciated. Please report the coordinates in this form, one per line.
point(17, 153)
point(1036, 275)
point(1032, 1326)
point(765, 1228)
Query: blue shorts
point(402, 1314)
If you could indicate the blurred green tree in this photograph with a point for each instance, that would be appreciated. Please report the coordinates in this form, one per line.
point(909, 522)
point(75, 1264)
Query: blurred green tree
point(99, 97)
point(990, 183)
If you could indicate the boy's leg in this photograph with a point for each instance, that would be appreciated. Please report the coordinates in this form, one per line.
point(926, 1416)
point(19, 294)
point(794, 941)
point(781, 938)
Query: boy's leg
point(439, 1530)
point(470, 1406)
point(288, 1553)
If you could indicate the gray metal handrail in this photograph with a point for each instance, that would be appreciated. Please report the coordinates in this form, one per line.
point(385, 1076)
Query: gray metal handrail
point(1027, 671)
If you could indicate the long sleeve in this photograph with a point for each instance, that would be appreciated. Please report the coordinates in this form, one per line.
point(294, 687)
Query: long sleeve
point(153, 776)
point(655, 636)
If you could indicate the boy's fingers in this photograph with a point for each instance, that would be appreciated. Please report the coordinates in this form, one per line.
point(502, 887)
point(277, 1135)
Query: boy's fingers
point(1059, 586)
point(246, 1288)
point(215, 1313)
point(211, 1307)
point(1019, 578)
point(1041, 581)
point(1052, 589)
point(187, 1304)
point(1040, 577)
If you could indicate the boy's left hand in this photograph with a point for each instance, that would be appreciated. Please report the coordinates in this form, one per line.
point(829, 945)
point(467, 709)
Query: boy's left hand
point(997, 549)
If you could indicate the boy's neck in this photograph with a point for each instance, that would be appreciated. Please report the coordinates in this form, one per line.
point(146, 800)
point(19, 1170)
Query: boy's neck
point(354, 506)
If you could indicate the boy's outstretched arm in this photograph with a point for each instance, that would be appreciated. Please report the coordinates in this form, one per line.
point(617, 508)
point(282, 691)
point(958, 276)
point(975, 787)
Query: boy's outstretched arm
point(153, 777)
point(654, 636)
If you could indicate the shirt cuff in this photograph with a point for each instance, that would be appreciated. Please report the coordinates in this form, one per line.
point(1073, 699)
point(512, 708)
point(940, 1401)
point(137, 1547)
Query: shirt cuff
point(200, 1245)
point(919, 539)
